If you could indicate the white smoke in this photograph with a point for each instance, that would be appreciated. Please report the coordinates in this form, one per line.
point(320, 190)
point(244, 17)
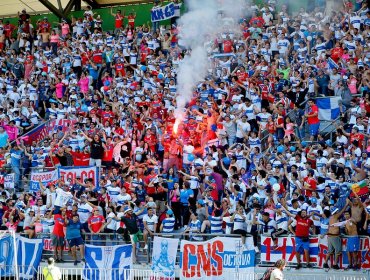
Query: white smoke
point(196, 27)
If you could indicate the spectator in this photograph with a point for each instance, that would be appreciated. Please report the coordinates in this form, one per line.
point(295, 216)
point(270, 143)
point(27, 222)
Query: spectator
point(73, 235)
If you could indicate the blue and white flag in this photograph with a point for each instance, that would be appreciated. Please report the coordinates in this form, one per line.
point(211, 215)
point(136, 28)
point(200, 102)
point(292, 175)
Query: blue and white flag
point(332, 65)
point(6, 256)
point(163, 13)
point(107, 262)
point(29, 254)
point(328, 108)
point(164, 256)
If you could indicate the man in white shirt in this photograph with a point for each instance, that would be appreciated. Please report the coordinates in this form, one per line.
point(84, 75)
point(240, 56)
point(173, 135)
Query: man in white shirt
point(150, 221)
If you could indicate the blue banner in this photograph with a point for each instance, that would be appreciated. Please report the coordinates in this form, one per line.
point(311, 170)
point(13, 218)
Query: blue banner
point(6, 256)
point(29, 253)
point(163, 13)
point(107, 262)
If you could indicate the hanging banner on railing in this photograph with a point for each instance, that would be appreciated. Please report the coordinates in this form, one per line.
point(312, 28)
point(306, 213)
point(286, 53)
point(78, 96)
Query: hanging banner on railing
point(286, 249)
point(364, 252)
point(164, 256)
point(71, 173)
point(45, 178)
point(7, 256)
point(216, 257)
point(28, 254)
point(163, 13)
point(107, 262)
point(48, 245)
point(8, 180)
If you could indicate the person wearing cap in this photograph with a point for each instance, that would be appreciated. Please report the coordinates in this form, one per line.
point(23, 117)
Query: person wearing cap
point(315, 212)
point(168, 223)
point(130, 220)
point(51, 272)
point(29, 222)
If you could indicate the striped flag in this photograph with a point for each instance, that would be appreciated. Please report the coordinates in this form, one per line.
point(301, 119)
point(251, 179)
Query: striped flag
point(332, 65)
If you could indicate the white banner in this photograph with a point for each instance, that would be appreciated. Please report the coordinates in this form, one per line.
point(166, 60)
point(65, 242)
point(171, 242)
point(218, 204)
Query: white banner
point(217, 258)
point(164, 256)
point(9, 180)
point(44, 177)
point(163, 13)
point(71, 173)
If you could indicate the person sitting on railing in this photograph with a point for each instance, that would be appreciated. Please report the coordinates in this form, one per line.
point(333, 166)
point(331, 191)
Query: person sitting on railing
point(130, 221)
point(150, 221)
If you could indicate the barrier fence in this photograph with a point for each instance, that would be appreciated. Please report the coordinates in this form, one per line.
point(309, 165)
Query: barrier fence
point(98, 274)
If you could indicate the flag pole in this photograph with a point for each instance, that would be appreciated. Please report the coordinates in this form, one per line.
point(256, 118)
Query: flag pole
point(15, 254)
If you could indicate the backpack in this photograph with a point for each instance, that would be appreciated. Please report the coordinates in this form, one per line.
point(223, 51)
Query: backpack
point(267, 274)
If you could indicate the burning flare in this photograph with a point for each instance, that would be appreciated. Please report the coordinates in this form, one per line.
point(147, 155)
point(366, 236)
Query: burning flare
point(176, 125)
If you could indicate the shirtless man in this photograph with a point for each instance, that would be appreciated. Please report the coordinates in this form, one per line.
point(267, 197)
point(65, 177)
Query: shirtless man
point(357, 210)
point(334, 240)
point(353, 241)
point(45, 36)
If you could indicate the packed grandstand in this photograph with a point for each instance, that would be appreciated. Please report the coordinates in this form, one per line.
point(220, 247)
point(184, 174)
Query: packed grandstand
point(242, 154)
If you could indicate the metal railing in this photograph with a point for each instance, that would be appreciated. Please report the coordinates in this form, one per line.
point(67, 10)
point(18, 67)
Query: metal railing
point(146, 274)
point(12, 272)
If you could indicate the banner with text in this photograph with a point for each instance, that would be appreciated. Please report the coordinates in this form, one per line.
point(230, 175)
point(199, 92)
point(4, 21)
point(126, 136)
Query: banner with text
point(216, 258)
point(164, 256)
point(44, 177)
point(364, 253)
point(286, 249)
point(85, 172)
point(61, 125)
point(8, 180)
point(163, 13)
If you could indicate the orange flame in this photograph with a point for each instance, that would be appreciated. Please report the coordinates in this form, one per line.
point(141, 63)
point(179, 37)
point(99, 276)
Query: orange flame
point(176, 126)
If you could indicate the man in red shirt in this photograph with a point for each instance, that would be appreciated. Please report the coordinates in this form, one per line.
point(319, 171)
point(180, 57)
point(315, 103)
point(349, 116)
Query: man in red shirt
point(313, 121)
point(118, 21)
point(57, 236)
point(96, 225)
point(131, 19)
point(310, 183)
point(302, 233)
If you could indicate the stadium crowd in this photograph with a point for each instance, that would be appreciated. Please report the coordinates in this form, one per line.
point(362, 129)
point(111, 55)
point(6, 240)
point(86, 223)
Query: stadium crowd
point(238, 162)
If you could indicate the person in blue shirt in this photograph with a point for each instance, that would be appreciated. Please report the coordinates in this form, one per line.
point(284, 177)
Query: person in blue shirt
point(16, 153)
point(185, 194)
point(3, 137)
point(74, 238)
